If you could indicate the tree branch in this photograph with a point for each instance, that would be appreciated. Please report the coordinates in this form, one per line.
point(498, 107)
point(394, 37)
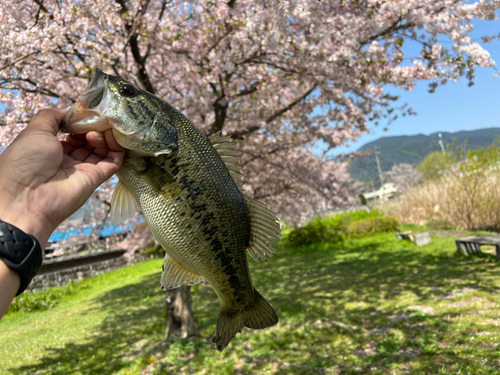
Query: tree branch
point(40, 4)
point(162, 10)
point(291, 105)
point(275, 115)
point(391, 29)
point(133, 42)
point(248, 91)
point(19, 59)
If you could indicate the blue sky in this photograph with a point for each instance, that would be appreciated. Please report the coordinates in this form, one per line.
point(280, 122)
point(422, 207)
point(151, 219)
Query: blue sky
point(452, 107)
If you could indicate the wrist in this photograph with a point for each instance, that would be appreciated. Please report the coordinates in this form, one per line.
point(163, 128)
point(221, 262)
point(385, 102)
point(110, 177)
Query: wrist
point(29, 224)
point(21, 252)
point(16, 212)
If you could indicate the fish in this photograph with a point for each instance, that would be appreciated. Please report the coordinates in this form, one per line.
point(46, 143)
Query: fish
point(189, 188)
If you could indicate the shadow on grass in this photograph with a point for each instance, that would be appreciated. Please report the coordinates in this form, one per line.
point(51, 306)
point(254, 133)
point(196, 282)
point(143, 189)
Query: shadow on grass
point(329, 301)
point(128, 320)
point(131, 332)
point(338, 291)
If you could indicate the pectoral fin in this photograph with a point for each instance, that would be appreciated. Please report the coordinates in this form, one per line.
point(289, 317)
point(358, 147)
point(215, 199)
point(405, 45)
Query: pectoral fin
point(174, 275)
point(265, 230)
point(123, 204)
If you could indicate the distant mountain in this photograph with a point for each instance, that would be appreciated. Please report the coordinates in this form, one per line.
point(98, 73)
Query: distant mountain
point(412, 149)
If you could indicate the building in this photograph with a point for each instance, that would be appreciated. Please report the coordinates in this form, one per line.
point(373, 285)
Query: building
point(386, 192)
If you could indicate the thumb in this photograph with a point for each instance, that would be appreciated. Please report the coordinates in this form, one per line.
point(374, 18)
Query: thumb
point(47, 120)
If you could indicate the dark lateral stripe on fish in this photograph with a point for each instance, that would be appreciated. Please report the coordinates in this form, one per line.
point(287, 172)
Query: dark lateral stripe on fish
point(185, 182)
point(208, 219)
point(232, 274)
point(160, 180)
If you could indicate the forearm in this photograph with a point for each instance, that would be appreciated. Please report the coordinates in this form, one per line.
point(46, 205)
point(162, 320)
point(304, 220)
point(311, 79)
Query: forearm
point(10, 280)
point(9, 285)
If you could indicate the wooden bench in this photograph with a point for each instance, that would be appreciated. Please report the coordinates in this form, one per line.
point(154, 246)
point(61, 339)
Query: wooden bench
point(472, 245)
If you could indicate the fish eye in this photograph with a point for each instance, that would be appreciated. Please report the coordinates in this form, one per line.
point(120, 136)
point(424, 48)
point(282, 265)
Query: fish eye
point(127, 90)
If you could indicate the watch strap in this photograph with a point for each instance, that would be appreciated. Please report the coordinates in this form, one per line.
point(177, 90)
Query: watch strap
point(21, 252)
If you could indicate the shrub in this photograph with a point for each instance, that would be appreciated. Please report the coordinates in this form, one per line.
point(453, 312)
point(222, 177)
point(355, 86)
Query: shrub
point(153, 249)
point(358, 215)
point(435, 165)
point(44, 299)
point(448, 203)
point(332, 229)
point(372, 225)
point(317, 231)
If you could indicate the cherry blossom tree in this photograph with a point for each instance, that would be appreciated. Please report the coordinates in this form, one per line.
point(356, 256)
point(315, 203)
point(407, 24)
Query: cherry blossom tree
point(404, 176)
point(278, 76)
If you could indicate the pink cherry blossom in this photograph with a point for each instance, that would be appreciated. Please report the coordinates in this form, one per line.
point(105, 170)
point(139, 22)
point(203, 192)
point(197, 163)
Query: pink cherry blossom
point(277, 76)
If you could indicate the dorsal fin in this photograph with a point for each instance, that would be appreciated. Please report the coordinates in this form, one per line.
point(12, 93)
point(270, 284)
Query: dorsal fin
point(265, 227)
point(229, 155)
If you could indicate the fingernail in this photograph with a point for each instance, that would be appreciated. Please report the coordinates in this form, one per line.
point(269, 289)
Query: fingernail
point(97, 134)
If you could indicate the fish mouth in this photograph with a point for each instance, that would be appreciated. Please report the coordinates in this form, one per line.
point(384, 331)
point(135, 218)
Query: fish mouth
point(86, 114)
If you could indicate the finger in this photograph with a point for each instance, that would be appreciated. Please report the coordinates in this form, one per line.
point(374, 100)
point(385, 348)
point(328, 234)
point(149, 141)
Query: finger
point(69, 162)
point(67, 148)
point(96, 139)
point(111, 141)
point(105, 168)
point(111, 164)
point(81, 153)
point(47, 120)
point(102, 152)
point(76, 140)
point(93, 159)
point(88, 146)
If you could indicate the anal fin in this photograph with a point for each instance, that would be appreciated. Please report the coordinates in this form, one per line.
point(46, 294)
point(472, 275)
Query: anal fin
point(174, 275)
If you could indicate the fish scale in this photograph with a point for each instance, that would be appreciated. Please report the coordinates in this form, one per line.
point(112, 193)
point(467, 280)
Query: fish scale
point(189, 189)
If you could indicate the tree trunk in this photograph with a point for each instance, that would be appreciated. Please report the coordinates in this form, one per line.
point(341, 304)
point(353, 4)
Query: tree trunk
point(180, 321)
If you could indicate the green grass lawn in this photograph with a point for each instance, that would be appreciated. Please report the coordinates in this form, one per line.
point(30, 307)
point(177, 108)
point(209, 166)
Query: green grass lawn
point(367, 306)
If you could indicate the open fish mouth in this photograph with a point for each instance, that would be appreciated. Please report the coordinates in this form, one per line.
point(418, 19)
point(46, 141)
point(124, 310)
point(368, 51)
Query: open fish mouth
point(86, 114)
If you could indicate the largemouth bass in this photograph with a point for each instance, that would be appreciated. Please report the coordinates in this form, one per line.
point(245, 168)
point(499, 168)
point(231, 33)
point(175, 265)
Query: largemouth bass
point(190, 191)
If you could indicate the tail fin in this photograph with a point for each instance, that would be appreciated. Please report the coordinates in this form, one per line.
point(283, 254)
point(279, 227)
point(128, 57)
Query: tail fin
point(259, 315)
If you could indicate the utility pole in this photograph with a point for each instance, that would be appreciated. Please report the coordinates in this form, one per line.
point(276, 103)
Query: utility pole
point(441, 144)
point(378, 165)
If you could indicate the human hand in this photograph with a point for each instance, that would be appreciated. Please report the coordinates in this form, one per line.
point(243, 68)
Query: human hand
point(44, 180)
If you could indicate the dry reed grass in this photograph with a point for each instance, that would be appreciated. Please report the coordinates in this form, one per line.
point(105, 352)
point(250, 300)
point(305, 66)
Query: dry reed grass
point(451, 202)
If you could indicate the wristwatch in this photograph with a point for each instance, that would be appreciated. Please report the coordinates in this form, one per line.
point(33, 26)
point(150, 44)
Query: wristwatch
point(21, 252)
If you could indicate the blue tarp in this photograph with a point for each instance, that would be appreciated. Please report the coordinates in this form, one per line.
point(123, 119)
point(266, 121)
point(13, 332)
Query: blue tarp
point(105, 232)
